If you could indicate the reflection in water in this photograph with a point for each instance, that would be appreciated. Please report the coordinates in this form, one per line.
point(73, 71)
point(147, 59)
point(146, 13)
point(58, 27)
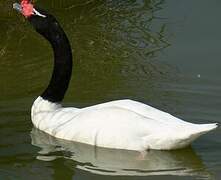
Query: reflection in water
point(121, 33)
point(119, 162)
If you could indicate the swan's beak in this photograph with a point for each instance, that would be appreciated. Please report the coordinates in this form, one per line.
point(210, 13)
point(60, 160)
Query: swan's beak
point(17, 7)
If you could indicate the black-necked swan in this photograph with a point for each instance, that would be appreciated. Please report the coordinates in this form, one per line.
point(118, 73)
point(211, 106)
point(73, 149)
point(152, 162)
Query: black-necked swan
point(121, 124)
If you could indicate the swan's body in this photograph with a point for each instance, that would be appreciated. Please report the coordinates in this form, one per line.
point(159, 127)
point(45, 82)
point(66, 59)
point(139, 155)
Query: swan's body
point(122, 124)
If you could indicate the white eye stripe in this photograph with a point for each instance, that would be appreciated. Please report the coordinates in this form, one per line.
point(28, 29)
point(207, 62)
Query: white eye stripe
point(38, 13)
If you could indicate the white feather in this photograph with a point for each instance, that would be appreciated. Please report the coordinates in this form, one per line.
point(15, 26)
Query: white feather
point(122, 124)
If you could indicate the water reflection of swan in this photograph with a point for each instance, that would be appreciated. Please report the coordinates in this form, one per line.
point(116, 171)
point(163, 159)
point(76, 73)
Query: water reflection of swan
point(119, 162)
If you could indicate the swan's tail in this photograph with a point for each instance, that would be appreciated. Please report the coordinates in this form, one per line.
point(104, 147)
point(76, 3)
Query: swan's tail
point(192, 134)
point(180, 138)
point(204, 128)
point(200, 130)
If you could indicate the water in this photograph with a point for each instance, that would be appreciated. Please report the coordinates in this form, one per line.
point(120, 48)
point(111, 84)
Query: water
point(163, 53)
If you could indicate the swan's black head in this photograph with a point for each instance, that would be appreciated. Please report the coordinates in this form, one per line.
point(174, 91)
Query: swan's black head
point(43, 22)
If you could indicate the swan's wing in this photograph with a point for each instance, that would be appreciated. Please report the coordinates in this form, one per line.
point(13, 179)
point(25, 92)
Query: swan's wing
point(164, 121)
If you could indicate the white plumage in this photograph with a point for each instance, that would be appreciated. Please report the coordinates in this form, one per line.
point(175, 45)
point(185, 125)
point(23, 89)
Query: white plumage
point(121, 124)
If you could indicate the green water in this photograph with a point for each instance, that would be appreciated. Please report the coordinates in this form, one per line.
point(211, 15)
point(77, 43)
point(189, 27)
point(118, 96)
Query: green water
point(163, 53)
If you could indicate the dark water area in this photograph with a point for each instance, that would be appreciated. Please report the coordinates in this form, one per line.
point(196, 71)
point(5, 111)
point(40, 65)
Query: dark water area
point(163, 53)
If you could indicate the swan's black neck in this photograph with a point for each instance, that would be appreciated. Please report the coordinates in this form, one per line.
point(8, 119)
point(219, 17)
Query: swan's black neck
point(62, 64)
